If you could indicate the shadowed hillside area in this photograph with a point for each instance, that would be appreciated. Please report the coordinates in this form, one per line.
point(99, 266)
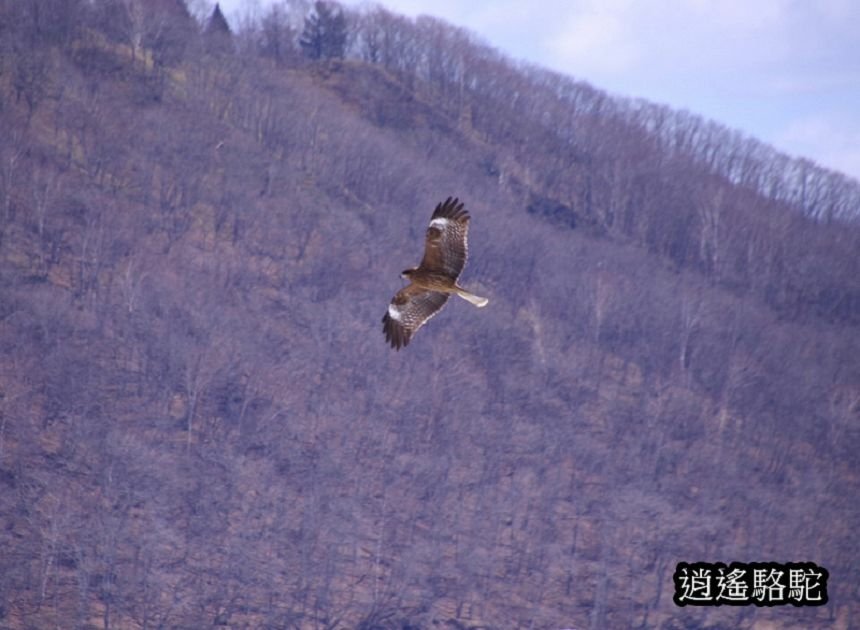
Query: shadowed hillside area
point(201, 425)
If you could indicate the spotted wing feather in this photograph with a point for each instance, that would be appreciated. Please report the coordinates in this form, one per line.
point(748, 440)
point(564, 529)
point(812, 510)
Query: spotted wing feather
point(409, 310)
point(446, 243)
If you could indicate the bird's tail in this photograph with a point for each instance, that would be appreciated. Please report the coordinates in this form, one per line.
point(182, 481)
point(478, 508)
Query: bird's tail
point(478, 301)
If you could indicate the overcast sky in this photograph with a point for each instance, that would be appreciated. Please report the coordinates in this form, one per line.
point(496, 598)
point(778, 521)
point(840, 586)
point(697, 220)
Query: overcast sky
point(785, 71)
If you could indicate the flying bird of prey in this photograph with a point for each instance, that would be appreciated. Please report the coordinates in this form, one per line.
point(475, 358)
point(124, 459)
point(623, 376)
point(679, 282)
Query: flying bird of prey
point(435, 279)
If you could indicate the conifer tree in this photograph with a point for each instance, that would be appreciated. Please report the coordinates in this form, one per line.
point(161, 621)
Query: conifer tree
point(324, 35)
point(217, 36)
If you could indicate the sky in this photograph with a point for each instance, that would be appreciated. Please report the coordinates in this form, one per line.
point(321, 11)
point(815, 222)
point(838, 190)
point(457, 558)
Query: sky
point(784, 71)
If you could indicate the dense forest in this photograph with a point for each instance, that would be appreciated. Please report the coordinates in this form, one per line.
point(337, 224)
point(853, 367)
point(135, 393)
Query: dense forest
point(201, 225)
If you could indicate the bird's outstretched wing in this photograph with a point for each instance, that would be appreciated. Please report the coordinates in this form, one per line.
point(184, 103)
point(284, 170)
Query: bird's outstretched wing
point(410, 309)
point(446, 246)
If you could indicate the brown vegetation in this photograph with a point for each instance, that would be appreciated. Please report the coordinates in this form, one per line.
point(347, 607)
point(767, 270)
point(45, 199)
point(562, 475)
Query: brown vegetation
point(201, 424)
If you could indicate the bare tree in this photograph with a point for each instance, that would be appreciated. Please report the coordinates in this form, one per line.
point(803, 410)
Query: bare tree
point(277, 36)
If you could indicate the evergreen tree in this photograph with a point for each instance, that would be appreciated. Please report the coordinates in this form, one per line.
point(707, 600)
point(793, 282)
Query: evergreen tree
point(217, 36)
point(324, 35)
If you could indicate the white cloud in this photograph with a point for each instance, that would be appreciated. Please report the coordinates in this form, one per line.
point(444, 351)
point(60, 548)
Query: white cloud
point(737, 15)
point(594, 42)
point(618, 43)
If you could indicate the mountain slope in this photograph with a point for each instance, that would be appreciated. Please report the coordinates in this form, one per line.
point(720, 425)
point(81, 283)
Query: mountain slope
point(201, 423)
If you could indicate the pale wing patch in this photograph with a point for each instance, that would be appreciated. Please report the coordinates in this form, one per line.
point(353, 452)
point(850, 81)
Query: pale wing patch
point(409, 310)
point(445, 253)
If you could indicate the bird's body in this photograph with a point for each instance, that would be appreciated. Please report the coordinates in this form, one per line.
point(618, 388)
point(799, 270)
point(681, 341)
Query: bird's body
point(430, 280)
point(435, 279)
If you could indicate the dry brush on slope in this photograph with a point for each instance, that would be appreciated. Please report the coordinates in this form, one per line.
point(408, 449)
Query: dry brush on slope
point(200, 422)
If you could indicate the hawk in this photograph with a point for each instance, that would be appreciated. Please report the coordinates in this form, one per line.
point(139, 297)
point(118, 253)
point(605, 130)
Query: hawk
point(435, 279)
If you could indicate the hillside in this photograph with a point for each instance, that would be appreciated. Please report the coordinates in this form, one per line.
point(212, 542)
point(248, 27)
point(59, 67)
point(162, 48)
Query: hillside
point(200, 421)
